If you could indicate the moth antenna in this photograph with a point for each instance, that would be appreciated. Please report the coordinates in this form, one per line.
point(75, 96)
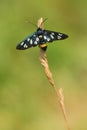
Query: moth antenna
point(35, 24)
point(31, 23)
point(44, 20)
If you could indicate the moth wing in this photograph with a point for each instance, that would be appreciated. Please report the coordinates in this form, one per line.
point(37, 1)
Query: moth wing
point(28, 42)
point(50, 36)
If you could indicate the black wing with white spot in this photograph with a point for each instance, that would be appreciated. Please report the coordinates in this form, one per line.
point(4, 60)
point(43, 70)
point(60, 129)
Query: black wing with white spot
point(30, 41)
point(40, 37)
point(50, 36)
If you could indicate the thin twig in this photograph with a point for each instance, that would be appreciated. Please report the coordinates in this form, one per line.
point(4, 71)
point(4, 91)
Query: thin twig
point(44, 63)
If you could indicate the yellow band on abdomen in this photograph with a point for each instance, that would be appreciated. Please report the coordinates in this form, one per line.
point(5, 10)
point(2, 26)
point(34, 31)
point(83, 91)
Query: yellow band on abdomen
point(43, 45)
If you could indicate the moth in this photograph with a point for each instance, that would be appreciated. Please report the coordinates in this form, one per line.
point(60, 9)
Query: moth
point(41, 38)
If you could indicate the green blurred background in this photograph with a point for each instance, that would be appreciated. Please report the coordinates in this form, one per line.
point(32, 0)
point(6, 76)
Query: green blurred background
point(27, 100)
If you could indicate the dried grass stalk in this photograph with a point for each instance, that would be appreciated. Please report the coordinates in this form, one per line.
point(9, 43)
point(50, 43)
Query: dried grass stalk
point(44, 63)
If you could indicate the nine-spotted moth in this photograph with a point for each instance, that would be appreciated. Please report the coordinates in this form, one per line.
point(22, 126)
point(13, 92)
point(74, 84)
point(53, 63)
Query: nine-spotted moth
point(40, 38)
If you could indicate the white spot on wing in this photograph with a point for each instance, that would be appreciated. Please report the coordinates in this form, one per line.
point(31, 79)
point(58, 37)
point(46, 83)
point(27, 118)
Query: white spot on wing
point(52, 33)
point(60, 34)
point(22, 43)
point(59, 37)
point(31, 42)
point(35, 43)
point(45, 37)
point(52, 36)
point(28, 39)
point(48, 39)
point(25, 46)
point(37, 39)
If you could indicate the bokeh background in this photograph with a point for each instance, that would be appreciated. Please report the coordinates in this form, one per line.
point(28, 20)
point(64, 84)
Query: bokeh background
point(27, 100)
